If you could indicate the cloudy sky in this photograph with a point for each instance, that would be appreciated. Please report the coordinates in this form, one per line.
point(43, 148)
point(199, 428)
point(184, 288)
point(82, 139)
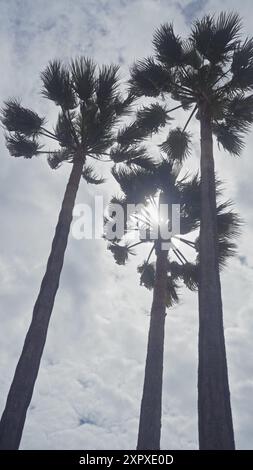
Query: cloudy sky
point(88, 392)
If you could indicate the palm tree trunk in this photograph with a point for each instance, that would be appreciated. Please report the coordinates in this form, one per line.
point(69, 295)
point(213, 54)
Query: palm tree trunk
point(21, 390)
point(215, 417)
point(151, 404)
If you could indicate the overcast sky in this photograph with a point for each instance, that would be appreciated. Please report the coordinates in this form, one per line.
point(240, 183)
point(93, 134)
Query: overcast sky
point(89, 388)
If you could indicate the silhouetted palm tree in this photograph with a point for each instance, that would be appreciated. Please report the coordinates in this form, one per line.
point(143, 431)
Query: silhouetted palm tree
point(163, 275)
point(212, 73)
point(90, 107)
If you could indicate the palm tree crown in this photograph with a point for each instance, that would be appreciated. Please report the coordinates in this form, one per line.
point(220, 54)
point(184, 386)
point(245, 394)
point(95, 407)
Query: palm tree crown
point(163, 182)
point(91, 106)
point(213, 66)
point(211, 75)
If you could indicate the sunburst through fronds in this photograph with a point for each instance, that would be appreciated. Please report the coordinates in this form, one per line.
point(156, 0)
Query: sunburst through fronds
point(150, 223)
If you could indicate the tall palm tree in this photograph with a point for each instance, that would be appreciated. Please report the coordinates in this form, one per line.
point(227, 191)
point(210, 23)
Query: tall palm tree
point(211, 74)
point(164, 274)
point(90, 107)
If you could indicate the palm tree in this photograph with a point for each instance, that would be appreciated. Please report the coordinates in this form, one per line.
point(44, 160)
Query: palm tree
point(163, 275)
point(90, 107)
point(211, 74)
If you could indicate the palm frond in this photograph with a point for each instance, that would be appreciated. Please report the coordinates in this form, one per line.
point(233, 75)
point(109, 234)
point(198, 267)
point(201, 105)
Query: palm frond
point(242, 66)
point(166, 173)
point(228, 226)
point(187, 272)
point(123, 203)
point(153, 117)
point(136, 183)
point(120, 252)
point(185, 192)
point(189, 190)
point(200, 79)
point(99, 142)
point(202, 35)
point(243, 80)
point(243, 56)
point(240, 112)
point(189, 220)
point(174, 269)
point(121, 200)
point(171, 292)
point(218, 107)
point(134, 155)
point(149, 78)
point(230, 25)
point(190, 276)
point(107, 85)
point(106, 117)
point(56, 158)
point(148, 120)
point(131, 134)
point(18, 119)
point(96, 127)
point(147, 272)
point(145, 162)
point(186, 100)
point(63, 130)
point(147, 279)
point(168, 46)
point(123, 106)
point(57, 85)
point(228, 221)
point(227, 29)
point(90, 176)
point(226, 249)
point(214, 39)
point(190, 56)
point(123, 154)
point(118, 201)
point(229, 138)
point(177, 145)
point(21, 146)
point(83, 77)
